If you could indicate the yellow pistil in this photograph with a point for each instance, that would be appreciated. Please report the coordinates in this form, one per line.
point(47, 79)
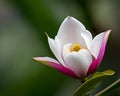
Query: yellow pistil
point(75, 47)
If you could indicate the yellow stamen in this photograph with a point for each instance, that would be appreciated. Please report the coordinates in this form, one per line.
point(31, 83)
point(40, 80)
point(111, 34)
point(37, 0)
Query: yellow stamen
point(75, 47)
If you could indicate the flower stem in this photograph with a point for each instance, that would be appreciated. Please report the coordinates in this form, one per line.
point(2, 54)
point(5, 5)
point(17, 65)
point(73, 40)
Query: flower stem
point(101, 93)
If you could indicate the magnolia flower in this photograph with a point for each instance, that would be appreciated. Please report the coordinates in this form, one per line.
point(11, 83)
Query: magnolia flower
point(78, 53)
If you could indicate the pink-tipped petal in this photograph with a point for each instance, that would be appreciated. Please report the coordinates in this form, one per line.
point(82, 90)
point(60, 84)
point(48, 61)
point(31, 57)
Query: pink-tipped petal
point(103, 46)
point(98, 44)
point(54, 64)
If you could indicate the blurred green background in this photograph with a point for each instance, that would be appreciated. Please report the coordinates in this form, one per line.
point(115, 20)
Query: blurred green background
point(22, 27)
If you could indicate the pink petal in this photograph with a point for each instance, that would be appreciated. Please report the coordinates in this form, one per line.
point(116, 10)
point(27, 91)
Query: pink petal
point(92, 66)
point(54, 64)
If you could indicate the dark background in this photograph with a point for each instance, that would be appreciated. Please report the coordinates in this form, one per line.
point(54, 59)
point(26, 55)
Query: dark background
point(22, 27)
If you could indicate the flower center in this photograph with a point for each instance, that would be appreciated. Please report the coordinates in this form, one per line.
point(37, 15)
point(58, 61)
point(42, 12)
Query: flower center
point(75, 47)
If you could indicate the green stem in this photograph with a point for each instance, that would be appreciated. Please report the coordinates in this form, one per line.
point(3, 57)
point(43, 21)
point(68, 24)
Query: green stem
point(115, 84)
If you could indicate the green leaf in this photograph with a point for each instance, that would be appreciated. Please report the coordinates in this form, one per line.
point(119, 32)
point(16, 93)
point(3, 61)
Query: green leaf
point(92, 82)
point(113, 86)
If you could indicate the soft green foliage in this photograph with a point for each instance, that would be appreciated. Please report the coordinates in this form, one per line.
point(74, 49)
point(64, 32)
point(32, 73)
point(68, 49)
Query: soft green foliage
point(92, 82)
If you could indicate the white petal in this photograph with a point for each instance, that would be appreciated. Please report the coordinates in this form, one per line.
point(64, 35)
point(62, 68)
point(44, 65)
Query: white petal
point(79, 62)
point(55, 48)
point(70, 31)
point(96, 44)
point(87, 36)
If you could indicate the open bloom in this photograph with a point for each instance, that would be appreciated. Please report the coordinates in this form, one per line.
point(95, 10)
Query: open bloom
point(78, 53)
